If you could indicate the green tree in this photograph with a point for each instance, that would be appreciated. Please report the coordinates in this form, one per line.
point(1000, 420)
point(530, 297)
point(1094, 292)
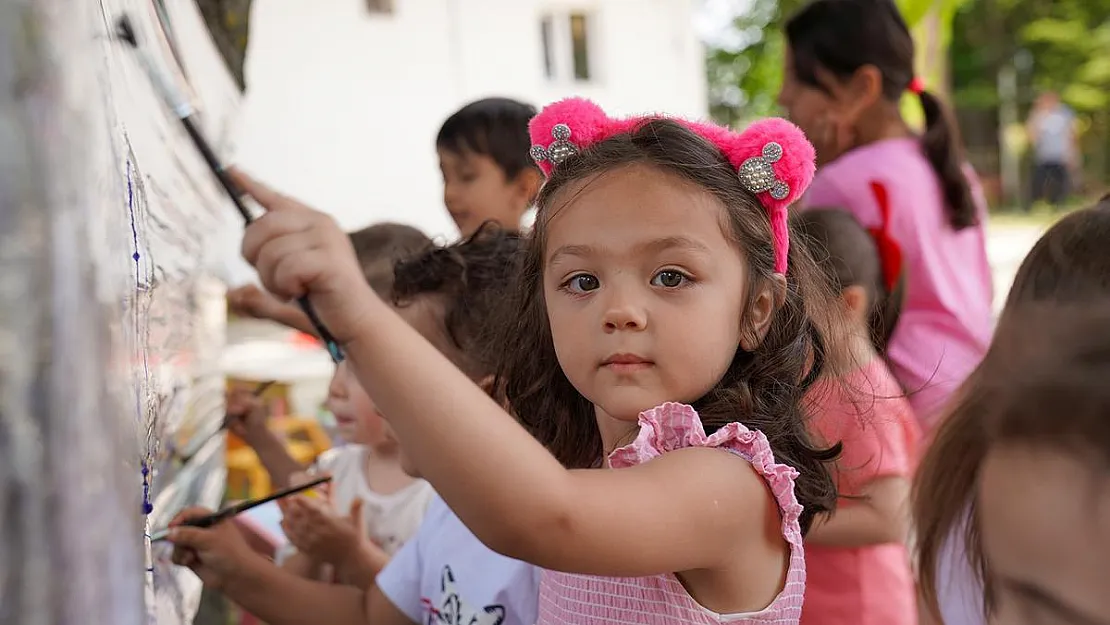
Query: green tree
point(744, 81)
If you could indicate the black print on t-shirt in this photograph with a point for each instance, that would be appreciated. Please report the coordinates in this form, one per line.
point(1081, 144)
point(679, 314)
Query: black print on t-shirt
point(452, 610)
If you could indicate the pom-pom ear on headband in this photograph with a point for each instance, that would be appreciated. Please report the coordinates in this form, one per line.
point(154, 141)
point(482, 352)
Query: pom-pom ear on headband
point(565, 128)
point(772, 157)
point(776, 162)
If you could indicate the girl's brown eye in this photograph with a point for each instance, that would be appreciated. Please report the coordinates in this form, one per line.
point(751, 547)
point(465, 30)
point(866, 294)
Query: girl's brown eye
point(668, 279)
point(583, 283)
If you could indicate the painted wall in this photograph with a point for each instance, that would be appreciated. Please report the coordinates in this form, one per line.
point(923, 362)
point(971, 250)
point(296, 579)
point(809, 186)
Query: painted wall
point(343, 105)
point(111, 320)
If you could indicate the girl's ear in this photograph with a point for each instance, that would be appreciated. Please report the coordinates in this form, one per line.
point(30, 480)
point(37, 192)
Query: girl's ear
point(860, 92)
point(757, 321)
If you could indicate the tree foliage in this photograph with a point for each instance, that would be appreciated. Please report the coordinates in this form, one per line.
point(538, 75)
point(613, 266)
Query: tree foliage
point(744, 81)
point(1068, 42)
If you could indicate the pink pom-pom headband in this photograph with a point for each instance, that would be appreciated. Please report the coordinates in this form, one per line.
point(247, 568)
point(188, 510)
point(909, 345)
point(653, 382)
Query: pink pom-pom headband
point(772, 157)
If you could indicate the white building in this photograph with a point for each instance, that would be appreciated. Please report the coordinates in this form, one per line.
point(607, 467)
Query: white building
point(345, 96)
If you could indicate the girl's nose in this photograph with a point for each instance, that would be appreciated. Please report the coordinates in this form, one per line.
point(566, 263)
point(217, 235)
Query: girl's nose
point(623, 312)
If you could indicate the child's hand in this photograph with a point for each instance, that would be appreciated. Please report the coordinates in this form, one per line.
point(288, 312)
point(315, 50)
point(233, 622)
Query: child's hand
point(246, 414)
point(299, 251)
point(298, 478)
point(217, 554)
point(251, 301)
point(316, 531)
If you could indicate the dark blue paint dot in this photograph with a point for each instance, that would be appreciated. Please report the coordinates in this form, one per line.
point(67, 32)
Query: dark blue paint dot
point(148, 507)
point(145, 470)
point(135, 256)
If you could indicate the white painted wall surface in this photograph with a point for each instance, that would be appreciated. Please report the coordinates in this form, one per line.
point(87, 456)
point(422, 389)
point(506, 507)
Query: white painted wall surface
point(343, 106)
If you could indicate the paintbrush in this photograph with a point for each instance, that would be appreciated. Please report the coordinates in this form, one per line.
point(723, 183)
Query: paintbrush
point(243, 506)
point(184, 112)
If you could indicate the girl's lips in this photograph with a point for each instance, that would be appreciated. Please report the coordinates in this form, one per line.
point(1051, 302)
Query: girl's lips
point(627, 367)
point(626, 363)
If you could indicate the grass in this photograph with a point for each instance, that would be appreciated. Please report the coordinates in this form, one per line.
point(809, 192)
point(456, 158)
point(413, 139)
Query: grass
point(1040, 216)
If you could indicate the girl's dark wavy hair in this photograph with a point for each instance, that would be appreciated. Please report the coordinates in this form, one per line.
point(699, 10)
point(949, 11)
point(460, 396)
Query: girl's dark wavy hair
point(763, 389)
point(469, 280)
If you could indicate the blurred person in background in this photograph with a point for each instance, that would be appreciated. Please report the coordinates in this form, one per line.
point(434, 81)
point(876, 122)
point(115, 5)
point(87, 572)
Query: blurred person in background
point(1052, 133)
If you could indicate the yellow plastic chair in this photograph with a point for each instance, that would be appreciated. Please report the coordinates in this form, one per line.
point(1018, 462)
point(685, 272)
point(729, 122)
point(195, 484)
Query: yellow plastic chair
point(246, 477)
point(304, 439)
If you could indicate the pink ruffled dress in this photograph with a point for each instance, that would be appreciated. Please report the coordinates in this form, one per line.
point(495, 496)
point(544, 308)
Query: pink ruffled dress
point(569, 599)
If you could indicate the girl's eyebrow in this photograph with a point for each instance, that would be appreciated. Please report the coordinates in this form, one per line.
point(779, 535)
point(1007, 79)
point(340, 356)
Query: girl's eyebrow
point(652, 246)
point(1049, 600)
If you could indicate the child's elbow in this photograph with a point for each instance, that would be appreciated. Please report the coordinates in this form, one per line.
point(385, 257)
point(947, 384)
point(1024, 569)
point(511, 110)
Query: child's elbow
point(536, 538)
point(893, 527)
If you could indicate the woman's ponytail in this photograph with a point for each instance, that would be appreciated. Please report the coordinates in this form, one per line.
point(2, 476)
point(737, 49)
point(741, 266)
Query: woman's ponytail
point(942, 146)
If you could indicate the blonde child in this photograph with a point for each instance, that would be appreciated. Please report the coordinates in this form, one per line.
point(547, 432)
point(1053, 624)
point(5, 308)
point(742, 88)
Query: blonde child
point(444, 574)
point(660, 305)
point(858, 569)
point(373, 505)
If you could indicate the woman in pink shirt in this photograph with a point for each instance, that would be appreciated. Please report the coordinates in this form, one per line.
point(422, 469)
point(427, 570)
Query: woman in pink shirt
point(848, 63)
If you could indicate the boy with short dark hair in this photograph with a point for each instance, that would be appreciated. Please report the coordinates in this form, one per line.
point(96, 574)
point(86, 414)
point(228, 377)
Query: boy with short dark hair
point(488, 174)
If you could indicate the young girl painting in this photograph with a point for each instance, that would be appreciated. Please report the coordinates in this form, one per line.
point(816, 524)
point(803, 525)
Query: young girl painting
point(659, 348)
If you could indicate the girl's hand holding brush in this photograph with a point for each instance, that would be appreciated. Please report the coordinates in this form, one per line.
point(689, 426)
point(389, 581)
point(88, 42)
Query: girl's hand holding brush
point(246, 415)
point(298, 251)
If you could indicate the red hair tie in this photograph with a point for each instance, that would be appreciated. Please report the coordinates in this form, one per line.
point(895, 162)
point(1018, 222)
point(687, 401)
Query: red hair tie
point(890, 254)
point(917, 86)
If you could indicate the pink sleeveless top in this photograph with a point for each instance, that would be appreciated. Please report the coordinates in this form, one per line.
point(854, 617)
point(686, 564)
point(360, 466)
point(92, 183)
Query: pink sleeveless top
point(569, 599)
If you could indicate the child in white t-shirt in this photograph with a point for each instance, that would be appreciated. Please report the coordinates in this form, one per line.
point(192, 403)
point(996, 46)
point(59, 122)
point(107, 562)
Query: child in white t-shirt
point(373, 506)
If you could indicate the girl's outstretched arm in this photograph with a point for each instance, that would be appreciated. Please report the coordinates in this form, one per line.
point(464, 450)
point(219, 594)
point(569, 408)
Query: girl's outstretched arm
point(690, 509)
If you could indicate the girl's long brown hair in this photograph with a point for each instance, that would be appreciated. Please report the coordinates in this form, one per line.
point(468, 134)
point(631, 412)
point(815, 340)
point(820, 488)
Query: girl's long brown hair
point(762, 389)
point(1069, 264)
